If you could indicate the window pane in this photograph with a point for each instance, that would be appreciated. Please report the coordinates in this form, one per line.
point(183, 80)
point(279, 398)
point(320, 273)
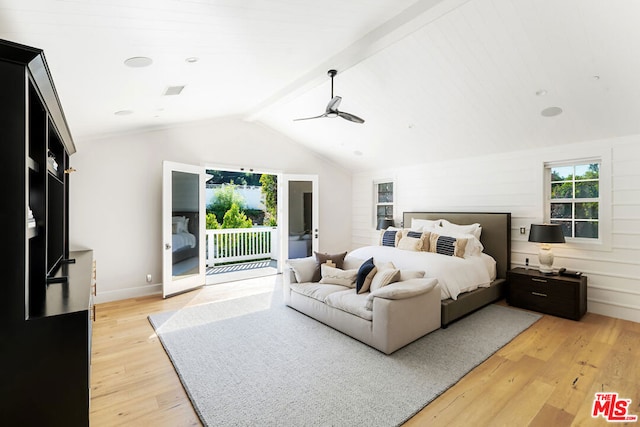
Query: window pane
point(381, 211)
point(560, 210)
point(385, 187)
point(566, 227)
point(562, 173)
point(388, 211)
point(591, 171)
point(385, 197)
point(562, 191)
point(587, 210)
point(587, 189)
point(588, 229)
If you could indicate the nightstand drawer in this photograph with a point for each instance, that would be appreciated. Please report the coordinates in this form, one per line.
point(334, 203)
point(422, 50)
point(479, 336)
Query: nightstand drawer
point(557, 295)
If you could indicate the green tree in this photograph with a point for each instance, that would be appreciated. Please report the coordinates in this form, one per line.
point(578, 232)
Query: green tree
point(212, 221)
point(234, 218)
point(223, 198)
point(269, 188)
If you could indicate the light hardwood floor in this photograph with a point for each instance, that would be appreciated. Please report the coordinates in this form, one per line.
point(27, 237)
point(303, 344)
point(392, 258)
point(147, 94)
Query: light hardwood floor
point(547, 376)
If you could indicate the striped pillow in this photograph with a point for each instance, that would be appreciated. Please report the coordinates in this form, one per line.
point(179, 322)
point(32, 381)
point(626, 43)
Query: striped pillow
point(447, 245)
point(389, 238)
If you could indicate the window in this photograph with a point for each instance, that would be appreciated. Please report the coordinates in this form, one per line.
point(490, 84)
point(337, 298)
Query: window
point(574, 198)
point(383, 200)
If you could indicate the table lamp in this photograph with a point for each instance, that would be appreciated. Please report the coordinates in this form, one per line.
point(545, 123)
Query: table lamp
point(546, 234)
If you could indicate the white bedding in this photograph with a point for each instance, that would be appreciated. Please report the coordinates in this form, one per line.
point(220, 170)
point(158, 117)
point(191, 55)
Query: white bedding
point(183, 240)
point(455, 275)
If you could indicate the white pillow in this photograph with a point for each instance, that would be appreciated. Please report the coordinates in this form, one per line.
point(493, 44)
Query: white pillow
point(411, 274)
point(474, 229)
point(336, 276)
point(352, 263)
point(410, 244)
point(303, 268)
point(424, 224)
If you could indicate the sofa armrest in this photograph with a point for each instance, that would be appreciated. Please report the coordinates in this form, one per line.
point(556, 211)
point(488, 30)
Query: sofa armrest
point(401, 290)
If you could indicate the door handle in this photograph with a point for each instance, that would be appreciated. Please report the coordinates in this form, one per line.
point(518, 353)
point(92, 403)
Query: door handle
point(167, 246)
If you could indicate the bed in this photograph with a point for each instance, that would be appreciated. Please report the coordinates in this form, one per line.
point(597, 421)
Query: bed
point(468, 283)
point(184, 238)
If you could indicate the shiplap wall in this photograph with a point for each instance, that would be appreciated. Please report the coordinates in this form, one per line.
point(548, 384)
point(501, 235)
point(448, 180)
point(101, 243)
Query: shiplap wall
point(513, 182)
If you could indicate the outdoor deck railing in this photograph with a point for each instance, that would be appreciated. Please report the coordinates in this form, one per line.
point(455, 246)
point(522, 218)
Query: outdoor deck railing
point(240, 244)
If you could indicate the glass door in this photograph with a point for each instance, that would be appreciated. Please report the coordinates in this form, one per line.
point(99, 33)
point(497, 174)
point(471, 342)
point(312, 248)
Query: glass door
point(183, 228)
point(300, 216)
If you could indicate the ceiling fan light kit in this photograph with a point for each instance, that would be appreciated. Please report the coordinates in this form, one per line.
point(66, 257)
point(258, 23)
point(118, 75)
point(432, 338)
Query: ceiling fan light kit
point(332, 107)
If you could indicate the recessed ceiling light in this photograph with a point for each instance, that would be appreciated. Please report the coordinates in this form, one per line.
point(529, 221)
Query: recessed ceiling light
point(596, 77)
point(192, 59)
point(123, 112)
point(358, 153)
point(138, 62)
point(551, 111)
point(541, 92)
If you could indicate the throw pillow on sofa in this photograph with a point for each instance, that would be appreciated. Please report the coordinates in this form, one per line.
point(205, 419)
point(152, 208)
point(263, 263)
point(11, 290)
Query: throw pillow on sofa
point(337, 259)
point(303, 268)
point(337, 276)
point(366, 272)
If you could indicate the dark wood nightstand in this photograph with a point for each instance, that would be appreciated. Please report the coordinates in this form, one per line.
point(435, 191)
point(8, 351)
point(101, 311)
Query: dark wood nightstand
point(561, 296)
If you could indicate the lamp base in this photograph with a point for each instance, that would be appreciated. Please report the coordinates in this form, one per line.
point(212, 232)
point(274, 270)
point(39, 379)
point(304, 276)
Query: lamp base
point(545, 256)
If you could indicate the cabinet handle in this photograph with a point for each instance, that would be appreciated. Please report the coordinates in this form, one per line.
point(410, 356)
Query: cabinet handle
point(535, 279)
point(539, 294)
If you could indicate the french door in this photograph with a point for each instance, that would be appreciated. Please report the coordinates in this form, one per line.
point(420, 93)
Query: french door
point(299, 216)
point(183, 228)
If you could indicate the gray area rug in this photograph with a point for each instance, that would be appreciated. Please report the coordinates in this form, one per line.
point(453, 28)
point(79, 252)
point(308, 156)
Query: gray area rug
point(254, 361)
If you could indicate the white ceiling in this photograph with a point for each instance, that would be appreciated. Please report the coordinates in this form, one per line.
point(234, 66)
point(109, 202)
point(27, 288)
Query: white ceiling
point(434, 79)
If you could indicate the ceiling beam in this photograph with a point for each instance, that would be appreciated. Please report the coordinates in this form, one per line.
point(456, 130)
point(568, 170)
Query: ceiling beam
point(416, 16)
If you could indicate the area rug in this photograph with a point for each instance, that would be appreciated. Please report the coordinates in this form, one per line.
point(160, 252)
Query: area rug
point(254, 361)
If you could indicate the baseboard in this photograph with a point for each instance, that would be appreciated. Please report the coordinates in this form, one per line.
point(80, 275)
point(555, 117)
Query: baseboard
point(612, 309)
point(120, 294)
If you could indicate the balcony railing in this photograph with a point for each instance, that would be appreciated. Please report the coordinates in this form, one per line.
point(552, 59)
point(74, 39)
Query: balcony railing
point(240, 244)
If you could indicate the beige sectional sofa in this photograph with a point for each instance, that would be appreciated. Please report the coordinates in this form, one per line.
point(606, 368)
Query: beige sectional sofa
point(386, 318)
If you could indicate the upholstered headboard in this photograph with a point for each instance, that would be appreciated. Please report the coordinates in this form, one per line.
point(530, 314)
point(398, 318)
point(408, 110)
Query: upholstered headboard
point(495, 237)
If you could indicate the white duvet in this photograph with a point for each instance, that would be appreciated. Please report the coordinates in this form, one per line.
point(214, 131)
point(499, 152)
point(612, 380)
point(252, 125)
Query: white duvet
point(182, 239)
point(455, 275)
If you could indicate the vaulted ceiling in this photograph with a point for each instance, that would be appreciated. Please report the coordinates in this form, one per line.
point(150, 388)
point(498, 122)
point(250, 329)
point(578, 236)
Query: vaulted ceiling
point(433, 79)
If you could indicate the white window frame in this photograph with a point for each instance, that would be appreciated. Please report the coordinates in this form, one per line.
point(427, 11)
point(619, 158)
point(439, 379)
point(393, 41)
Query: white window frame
point(603, 242)
point(375, 199)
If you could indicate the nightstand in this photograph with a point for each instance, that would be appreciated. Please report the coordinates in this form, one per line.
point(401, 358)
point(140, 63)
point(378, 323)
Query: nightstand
point(561, 296)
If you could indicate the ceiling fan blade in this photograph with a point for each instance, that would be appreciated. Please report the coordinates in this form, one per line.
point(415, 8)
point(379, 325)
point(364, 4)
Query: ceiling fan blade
point(309, 118)
point(350, 117)
point(333, 105)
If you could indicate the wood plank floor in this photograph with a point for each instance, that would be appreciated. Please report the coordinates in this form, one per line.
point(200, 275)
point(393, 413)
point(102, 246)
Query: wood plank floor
point(547, 376)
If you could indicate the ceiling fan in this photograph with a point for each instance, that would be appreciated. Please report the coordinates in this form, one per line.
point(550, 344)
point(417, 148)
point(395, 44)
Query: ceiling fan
point(332, 106)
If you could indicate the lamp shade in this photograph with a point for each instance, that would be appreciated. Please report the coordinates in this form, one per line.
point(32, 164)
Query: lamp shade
point(546, 233)
point(384, 223)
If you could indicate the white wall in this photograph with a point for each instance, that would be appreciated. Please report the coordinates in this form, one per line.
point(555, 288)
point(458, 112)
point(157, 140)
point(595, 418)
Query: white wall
point(116, 193)
point(513, 183)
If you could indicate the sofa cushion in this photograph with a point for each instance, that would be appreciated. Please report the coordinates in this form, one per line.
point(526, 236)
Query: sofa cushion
point(318, 291)
point(351, 302)
point(303, 268)
point(336, 276)
point(365, 275)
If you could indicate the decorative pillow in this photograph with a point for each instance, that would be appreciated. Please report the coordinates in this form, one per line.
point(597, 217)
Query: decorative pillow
point(303, 268)
point(390, 237)
point(447, 245)
point(424, 224)
point(474, 229)
point(410, 243)
point(337, 276)
point(410, 274)
point(384, 277)
point(337, 259)
point(366, 272)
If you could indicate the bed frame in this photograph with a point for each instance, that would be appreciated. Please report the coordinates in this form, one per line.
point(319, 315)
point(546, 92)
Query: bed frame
point(496, 239)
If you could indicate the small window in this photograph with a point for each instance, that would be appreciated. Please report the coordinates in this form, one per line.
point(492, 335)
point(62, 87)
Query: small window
point(383, 201)
point(574, 198)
